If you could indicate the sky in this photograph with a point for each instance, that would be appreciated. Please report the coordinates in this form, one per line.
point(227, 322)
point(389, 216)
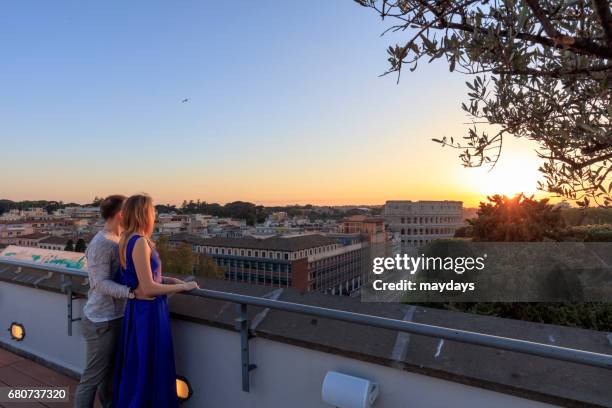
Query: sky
point(286, 105)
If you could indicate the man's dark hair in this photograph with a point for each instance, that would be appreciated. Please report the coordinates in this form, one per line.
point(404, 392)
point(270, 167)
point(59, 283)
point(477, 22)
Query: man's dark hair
point(111, 205)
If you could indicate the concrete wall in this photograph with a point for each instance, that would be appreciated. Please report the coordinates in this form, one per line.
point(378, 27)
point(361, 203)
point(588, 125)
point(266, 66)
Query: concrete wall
point(43, 315)
point(210, 359)
point(289, 376)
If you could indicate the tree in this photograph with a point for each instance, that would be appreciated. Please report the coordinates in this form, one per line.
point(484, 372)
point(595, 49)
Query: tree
point(53, 206)
point(96, 201)
point(160, 208)
point(517, 219)
point(180, 260)
point(69, 246)
point(81, 246)
point(463, 232)
point(163, 250)
point(206, 266)
point(541, 72)
point(183, 259)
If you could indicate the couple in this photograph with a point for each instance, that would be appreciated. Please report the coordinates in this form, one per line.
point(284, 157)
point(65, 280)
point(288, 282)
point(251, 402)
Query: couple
point(126, 323)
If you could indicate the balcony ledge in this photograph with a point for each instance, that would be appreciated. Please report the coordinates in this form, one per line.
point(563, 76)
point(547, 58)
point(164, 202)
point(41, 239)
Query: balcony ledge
point(530, 377)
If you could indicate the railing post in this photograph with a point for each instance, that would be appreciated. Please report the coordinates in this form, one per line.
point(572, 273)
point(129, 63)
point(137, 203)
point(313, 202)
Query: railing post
point(242, 324)
point(69, 298)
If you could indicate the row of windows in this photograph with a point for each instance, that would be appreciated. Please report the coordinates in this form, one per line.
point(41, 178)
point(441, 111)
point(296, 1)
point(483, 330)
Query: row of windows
point(247, 252)
point(57, 248)
point(268, 254)
point(416, 242)
point(429, 220)
point(260, 266)
point(423, 207)
point(427, 231)
point(335, 270)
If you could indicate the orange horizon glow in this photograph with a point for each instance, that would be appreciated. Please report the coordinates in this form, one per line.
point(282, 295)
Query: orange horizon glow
point(450, 181)
point(400, 168)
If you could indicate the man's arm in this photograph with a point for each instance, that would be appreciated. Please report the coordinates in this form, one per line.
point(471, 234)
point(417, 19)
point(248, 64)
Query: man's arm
point(99, 265)
point(100, 279)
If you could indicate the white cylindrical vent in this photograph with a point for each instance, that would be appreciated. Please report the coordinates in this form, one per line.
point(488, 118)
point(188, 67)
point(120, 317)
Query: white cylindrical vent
point(345, 391)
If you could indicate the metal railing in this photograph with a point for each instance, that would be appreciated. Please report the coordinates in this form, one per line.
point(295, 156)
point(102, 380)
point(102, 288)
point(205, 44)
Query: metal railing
point(480, 339)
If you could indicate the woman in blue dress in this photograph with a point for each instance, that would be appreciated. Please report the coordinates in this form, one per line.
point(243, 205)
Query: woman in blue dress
point(145, 375)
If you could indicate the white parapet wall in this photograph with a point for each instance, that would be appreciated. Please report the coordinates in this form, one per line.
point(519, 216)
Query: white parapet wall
point(210, 359)
point(44, 317)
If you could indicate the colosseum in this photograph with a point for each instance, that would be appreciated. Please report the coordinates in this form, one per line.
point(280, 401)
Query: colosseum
point(416, 223)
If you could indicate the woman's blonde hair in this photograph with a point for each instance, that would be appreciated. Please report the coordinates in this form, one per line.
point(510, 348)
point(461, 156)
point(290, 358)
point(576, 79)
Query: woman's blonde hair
point(136, 218)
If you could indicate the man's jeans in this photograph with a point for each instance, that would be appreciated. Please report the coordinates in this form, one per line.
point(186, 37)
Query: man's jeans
point(101, 341)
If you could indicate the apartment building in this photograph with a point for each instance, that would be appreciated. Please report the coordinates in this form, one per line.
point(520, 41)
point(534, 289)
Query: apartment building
point(31, 240)
point(54, 243)
point(80, 212)
point(373, 228)
point(10, 232)
point(312, 262)
point(59, 226)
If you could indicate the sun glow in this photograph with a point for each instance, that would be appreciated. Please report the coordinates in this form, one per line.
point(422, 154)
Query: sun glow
point(506, 180)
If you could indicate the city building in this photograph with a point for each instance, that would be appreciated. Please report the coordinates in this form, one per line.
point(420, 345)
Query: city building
point(54, 242)
point(312, 262)
point(80, 212)
point(263, 230)
point(416, 223)
point(58, 226)
point(32, 240)
point(372, 227)
point(12, 215)
point(35, 212)
point(10, 232)
point(278, 216)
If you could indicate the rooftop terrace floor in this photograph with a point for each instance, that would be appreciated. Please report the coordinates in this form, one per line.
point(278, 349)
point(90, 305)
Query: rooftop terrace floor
point(17, 371)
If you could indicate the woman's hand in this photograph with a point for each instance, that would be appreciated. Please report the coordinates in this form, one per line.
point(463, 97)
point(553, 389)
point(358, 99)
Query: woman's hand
point(187, 286)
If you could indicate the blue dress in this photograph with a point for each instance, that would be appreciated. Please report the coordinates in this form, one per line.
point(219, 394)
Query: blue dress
point(145, 375)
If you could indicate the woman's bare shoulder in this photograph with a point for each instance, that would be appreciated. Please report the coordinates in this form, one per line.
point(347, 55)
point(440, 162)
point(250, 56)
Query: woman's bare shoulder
point(140, 242)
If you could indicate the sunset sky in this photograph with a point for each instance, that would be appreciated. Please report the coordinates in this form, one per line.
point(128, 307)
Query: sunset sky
point(285, 106)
